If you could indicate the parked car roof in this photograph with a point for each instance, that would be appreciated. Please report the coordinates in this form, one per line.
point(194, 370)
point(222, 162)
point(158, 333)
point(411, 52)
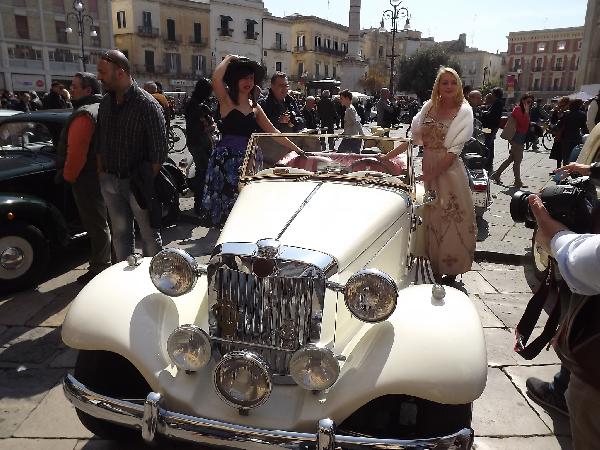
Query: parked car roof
point(48, 115)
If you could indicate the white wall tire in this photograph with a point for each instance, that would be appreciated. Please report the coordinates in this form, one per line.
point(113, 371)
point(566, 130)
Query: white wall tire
point(23, 255)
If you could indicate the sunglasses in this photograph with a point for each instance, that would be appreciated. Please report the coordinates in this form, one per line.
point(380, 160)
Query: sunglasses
point(117, 62)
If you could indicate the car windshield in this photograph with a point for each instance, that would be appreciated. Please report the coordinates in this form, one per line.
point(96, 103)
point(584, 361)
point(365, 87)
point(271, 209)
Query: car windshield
point(24, 135)
point(327, 156)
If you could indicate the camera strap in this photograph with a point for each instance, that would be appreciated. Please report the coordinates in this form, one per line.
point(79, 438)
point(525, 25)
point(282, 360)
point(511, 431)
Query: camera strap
point(548, 294)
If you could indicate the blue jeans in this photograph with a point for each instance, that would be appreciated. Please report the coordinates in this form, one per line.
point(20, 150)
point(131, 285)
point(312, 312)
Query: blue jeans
point(122, 210)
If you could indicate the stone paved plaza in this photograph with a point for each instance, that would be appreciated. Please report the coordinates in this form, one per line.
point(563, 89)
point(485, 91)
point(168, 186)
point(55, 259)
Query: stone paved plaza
point(34, 414)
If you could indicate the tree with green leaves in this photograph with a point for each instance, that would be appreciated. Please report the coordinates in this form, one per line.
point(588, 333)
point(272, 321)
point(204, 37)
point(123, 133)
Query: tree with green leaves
point(418, 72)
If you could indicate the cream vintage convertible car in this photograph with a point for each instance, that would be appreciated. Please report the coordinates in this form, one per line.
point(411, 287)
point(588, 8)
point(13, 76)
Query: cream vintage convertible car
point(305, 329)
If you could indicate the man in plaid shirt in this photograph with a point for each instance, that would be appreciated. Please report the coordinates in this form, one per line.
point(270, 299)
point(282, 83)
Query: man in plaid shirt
point(130, 135)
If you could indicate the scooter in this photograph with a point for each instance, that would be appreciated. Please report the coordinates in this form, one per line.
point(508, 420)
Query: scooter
point(475, 159)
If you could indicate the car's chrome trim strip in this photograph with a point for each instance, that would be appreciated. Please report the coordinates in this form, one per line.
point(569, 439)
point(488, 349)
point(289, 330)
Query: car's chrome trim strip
point(151, 420)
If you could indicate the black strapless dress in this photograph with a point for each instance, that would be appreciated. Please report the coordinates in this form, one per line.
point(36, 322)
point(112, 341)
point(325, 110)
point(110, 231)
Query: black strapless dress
point(222, 174)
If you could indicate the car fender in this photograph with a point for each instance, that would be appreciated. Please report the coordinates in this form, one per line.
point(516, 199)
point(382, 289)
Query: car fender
point(428, 348)
point(24, 208)
point(121, 311)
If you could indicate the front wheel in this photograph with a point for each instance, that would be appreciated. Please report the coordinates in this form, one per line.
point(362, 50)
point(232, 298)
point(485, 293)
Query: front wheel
point(547, 140)
point(24, 253)
point(112, 375)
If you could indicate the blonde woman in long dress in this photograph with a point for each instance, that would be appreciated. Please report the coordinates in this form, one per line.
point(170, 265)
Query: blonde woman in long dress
point(442, 127)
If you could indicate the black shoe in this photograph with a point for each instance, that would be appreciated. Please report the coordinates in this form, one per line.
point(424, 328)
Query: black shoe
point(543, 394)
point(86, 277)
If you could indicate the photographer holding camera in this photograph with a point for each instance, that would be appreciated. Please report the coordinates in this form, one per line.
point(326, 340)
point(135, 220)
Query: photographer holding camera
point(578, 339)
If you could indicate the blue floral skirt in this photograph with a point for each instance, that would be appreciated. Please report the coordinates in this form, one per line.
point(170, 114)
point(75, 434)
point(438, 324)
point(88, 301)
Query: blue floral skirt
point(222, 177)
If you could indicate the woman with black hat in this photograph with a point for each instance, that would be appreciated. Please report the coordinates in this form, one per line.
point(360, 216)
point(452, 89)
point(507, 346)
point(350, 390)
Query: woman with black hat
point(235, 85)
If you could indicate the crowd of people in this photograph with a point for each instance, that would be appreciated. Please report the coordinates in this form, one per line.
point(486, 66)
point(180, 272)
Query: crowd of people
point(113, 146)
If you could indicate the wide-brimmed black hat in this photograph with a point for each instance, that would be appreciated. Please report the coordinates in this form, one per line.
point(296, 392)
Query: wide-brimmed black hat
point(244, 66)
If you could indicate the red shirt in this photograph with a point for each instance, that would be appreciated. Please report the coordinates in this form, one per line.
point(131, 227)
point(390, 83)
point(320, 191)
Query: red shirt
point(522, 120)
point(78, 143)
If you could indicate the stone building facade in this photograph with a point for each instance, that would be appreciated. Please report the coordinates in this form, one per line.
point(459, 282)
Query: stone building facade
point(479, 67)
point(589, 67)
point(277, 45)
point(164, 41)
point(36, 49)
point(544, 62)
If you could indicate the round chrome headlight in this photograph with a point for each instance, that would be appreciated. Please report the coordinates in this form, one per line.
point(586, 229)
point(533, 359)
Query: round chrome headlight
point(371, 295)
point(189, 347)
point(242, 379)
point(314, 368)
point(173, 272)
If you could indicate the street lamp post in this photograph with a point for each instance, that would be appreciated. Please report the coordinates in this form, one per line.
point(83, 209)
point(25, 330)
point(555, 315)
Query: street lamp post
point(394, 14)
point(81, 18)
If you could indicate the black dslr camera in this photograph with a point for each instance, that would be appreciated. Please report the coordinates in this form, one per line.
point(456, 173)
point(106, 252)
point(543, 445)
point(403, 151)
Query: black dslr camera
point(571, 202)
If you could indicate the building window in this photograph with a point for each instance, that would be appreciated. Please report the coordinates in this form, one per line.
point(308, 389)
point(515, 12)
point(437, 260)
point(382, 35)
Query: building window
point(225, 30)
point(147, 20)
point(317, 70)
point(250, 29)
point(541, 47)
point(561, 45)
point(556, 84)
point(336, 45)
point(536, 84)
point(577, 63)
point(518, 48)
point(197, 33)
point(61, 55)
point(300, 69)
point(170, 29)
point(380, 51)
point(326, 71)
point(317, 42)
point(199, 65)
point(278, 41)
point(559, 64)
point(149, 61)
point(173, 63)
point(61, 34)
point(301, 42)
point(538, 64)
point(517, 65)
point(334, 72)
point(121, 21)
point(24, 52)
point(344, 47)
point(578, 45)
point(278, 66)
point(328, 43)
point(22, 27)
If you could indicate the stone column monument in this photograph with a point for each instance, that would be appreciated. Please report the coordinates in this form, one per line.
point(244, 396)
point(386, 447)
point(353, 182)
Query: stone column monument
point(589, 67)
point(353, 65)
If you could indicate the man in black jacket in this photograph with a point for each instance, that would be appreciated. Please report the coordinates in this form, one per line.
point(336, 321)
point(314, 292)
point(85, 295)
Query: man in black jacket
point(490, 119)
point(328, 115)
point(53, 99)
point(281, 109)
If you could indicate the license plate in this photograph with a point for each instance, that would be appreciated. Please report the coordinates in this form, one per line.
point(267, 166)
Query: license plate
point(480, 199)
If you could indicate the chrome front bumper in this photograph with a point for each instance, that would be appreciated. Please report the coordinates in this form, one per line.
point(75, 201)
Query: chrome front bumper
point(151, 419)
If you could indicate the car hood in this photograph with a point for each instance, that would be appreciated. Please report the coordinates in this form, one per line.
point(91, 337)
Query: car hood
point(336, 218)
point(15, 164)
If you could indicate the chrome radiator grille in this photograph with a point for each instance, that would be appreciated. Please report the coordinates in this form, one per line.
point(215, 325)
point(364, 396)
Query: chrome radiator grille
point(272, 315)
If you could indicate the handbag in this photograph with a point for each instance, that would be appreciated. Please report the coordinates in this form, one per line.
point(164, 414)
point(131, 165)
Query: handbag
point(577, 342)
point(510, 129)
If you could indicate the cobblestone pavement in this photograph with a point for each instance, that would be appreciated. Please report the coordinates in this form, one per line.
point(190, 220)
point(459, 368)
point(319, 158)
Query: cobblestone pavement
point(35, 415)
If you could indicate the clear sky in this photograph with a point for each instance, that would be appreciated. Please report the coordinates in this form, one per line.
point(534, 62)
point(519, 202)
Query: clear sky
point(486, 22)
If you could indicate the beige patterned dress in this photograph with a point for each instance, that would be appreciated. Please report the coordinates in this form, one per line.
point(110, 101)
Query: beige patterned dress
point(450, 219)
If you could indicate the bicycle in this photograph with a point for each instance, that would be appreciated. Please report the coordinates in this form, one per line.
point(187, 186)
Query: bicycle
point(176, 139)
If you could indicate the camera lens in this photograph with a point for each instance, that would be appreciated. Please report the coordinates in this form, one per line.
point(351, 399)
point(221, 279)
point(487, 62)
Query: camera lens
point(519, 207)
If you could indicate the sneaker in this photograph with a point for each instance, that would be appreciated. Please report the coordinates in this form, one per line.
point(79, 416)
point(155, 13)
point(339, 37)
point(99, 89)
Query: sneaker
point(544, 394)
point(86, 277)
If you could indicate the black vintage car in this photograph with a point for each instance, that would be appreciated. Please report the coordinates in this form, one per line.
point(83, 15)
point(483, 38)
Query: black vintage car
point(37, 215)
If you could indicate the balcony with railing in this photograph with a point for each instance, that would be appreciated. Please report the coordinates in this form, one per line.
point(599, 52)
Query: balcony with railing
point(148, 68)
point(26, 63)
point(329, 50)
point(537, 69)
point(300, 48)
point(199, 42)
point(150, 32)
point(172, 39)
point(225, 32)
point(558, 68)
point(279, 47)
point(251, 35)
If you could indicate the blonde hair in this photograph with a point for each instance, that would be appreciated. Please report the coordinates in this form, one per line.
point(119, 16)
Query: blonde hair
point(435, 92)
